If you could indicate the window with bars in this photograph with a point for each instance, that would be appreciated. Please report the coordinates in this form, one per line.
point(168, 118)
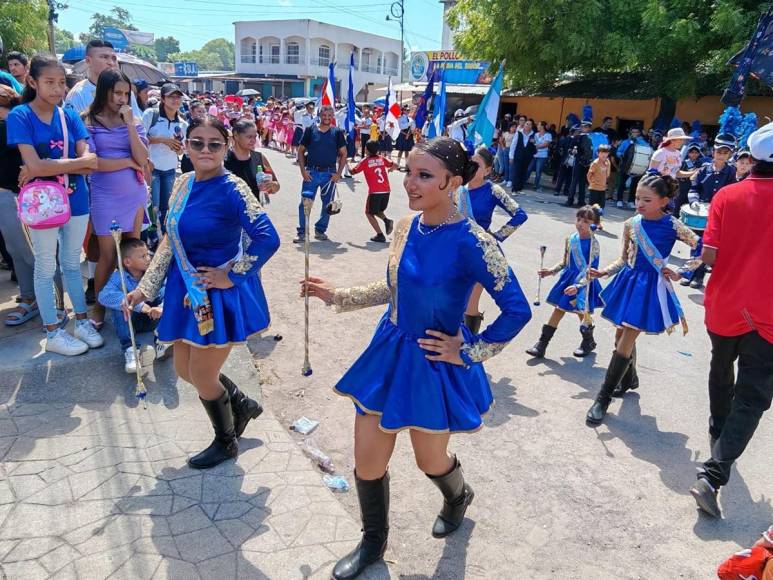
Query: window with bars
point(293, 53)
point(274, 54)
point(324, 55)
point(248, 50)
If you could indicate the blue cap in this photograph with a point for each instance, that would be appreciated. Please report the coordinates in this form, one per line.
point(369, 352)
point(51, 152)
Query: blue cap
point(141, 84)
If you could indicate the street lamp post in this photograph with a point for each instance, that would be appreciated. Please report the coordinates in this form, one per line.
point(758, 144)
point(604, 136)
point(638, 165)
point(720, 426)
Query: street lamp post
point(397, 14)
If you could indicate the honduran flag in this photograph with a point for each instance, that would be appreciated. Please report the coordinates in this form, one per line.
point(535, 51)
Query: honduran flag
point(482, 129)
point(391, 125)
point(327, 98)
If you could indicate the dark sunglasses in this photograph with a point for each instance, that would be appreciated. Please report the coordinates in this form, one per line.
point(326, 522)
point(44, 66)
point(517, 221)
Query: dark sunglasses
point(199, 144)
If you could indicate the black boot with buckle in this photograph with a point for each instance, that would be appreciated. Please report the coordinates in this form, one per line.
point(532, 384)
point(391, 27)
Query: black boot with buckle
point(617, 367)
point(630, 380)
point(243, 408)
point(374, 510)
point(538, 350)
point(457, 496)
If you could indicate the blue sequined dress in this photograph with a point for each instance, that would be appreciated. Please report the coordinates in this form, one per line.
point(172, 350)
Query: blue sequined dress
point(639, 296)
point(428, 283)
point(485, 199)
point(572, 273)
point(222, 222)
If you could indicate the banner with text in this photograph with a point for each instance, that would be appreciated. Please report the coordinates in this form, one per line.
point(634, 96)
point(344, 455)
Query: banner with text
point(456, 69)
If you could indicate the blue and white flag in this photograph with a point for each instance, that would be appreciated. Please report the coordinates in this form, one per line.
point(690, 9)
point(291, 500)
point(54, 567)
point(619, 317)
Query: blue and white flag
point(439, 111)
point(421, 109)
point(351, 106)
point(482, 128)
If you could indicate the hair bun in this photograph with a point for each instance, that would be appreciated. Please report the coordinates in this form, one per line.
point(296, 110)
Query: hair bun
point(469, 170)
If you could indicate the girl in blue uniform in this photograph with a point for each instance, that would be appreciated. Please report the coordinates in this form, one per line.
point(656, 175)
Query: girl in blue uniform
point(482, 198)
point(641, 298)
point(571, 290)
point(213, 298)
point(422, 370)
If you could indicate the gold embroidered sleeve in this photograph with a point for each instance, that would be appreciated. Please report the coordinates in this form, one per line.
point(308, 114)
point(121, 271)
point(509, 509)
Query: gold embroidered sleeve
point(480, 350)
point(244, 264)
point(684, 233)
point(356, 297)
point(496, 263)
point(252, 207)
point(155, 275)
point(558, 266)
point(511, 206)
point(618, 264)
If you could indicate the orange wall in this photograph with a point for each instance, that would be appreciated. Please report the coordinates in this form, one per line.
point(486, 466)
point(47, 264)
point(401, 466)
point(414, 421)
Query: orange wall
point(706, 109)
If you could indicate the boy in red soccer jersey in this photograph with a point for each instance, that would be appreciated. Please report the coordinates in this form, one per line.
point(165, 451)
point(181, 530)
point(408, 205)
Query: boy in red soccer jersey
point(375, 167)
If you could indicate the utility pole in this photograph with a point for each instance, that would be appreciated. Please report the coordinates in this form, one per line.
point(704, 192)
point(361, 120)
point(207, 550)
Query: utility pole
point(53, 17)
point(397, 11)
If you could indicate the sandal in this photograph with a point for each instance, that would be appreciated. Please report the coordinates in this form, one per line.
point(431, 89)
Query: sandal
point(24, 312)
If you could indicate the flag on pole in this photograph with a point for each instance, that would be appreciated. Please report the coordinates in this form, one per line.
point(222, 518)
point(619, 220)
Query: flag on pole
point(391, 125)
point(439, 111)
point(482, 128)
point(421, 109)
point(327, 97)
point(351, 105)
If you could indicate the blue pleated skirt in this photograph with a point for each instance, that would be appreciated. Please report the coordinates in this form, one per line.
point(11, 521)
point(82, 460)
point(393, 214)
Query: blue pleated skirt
point(393, 379)
point(557, 298)
point(631, 300)
point(239, 312)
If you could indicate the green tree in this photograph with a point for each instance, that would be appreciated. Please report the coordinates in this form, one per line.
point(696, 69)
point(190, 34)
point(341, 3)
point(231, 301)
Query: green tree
point(117, 18)
point(23, 25)
point(206, 60)
point(674, 43)
point(166, 45)
point(224, 49)
point(63, 39)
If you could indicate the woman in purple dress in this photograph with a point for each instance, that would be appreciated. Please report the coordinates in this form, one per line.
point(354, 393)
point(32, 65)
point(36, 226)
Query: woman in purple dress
point(118, 190)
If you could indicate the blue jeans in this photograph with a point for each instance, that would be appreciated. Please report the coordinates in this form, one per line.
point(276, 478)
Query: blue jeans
point(160, 190)
point(537, 163)
point(69, 237)
point(504, 163)
point(141, 322)
point(319, 180)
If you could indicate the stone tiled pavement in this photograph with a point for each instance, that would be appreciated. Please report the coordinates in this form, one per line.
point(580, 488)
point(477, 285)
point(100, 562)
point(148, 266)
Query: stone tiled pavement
point(94, 486)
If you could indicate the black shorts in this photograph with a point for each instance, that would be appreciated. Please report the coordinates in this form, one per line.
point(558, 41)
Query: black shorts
point(297, 134)
point(377, 203)
point(404, 143)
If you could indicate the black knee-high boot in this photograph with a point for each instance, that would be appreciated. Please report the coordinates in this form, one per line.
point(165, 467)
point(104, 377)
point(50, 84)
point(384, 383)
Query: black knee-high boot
point(473, 322)
point(588, 343)
point(224, 445)
point(243, 408)
point(617, 367)
point(539, 348)
point(374, 510)
point(630, 380)
point(457, 496)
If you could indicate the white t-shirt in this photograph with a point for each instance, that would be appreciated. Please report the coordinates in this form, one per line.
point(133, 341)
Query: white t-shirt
point(162, 156)
point(546, 138)
point(405, 122)
point(456, 130)
point(298, 117)
point(81, 96)
point(667, 162)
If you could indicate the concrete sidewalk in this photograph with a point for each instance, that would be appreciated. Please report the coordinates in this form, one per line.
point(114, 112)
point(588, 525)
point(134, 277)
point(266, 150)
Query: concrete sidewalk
point(92, 485)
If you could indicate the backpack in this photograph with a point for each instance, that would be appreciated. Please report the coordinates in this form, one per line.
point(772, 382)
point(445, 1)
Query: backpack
point(45, 204)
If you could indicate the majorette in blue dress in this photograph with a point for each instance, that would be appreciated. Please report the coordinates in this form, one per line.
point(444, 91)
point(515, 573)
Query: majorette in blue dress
point(222, 223)
point(427, 286)
point(639, 296)
point(573, 268)
point(479, 204)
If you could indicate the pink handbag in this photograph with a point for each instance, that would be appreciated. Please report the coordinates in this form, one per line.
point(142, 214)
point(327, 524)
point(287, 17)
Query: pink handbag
point(45, 204)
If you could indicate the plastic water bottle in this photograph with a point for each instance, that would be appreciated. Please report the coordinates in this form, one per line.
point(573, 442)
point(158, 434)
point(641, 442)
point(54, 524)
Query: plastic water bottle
point(318, 456)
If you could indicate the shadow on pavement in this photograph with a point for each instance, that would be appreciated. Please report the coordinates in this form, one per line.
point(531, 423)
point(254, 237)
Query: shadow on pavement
point(453, 562)
point(506, 405)
point(582, 372)
point(325, 250)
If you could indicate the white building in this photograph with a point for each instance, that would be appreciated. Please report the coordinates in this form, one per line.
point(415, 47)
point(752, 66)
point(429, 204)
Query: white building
point(290, 58)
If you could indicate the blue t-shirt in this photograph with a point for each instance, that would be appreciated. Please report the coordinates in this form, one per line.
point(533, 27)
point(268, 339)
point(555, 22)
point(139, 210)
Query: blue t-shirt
point(25, 128)
point(7, 79)
point(322, 147)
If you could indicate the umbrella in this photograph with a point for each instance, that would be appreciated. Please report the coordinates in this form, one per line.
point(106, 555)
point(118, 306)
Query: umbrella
point(248, 93)
point(132, 67)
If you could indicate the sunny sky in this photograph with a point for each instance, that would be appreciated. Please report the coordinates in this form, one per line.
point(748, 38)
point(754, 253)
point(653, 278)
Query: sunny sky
point(194, 22)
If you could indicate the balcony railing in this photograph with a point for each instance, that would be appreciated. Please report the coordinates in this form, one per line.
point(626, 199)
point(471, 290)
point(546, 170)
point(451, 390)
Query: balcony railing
point(371, 68)
point(295, 59)
point(320, 61)
point(248, 59)
point(390, 71)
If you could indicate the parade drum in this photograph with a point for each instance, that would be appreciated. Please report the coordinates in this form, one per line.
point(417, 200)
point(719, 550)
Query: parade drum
point(695, 219)
point(641, 159)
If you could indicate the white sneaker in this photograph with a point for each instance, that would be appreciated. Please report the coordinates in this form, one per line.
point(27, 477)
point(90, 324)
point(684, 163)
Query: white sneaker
point(619, 205)
point(162, 351)
point(64, 343)
point(88, 334)
point(129, 361)
point(147, 355)
point(631, 205)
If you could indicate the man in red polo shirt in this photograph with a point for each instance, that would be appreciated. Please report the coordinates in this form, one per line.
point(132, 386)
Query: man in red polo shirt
point(739, 316)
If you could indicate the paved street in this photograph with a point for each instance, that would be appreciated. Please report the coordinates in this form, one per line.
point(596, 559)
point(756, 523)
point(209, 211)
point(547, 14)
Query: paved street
point(94, 486)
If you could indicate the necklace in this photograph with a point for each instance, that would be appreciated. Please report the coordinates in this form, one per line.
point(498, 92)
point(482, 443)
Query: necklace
point(445, 222)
